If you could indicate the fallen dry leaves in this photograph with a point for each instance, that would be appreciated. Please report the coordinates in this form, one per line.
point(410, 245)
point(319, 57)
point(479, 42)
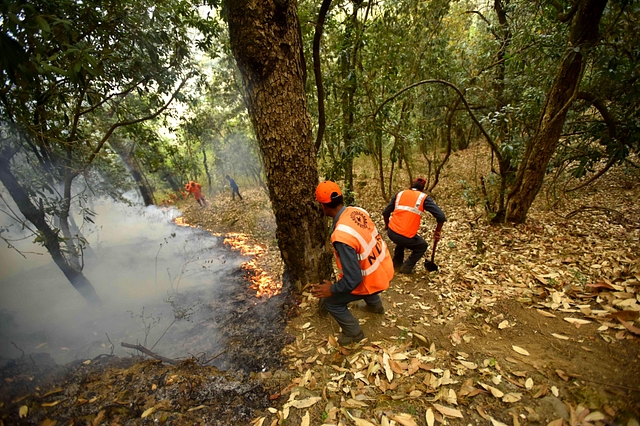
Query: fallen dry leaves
point(583, 272)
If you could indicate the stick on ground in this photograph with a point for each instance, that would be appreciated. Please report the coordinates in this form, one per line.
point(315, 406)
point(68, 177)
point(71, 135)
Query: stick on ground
point(148, 352)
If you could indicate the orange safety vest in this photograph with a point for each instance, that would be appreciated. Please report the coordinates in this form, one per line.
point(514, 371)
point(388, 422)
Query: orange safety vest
point(405, 219)
point(356, 229)
point(197, 191)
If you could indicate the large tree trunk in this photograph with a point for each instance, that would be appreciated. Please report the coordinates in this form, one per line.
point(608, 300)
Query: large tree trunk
point(49, 237)
point(266, 42)
point(584, 33)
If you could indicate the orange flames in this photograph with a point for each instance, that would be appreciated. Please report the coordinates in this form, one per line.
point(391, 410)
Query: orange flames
point(180, 222)
point(261, 281)
point(240, 242)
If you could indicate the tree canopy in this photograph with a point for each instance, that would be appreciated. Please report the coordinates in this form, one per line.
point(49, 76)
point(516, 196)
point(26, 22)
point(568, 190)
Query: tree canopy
point(73, 73)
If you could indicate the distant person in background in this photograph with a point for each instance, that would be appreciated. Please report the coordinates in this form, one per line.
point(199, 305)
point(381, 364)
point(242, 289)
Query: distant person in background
point(234, 187)
point(195, 189)
point(402, 220)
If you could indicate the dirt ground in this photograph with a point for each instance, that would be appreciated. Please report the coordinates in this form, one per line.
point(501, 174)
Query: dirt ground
point(526, 324)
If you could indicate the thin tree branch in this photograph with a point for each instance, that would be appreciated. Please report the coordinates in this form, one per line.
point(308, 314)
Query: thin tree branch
point(324, 8)
point(130, 122)
point(490, 141)
point(486, 21)
point(602, 171)
point(148, 352)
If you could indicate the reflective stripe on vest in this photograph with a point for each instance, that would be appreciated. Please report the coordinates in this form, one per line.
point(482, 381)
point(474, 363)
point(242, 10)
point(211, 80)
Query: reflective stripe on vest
point(417, 209)
point(405, 219)
point(367, 247)
point(356, 229)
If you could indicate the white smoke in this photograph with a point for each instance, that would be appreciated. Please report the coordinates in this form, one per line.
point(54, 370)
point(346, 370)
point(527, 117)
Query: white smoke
point(139, 261)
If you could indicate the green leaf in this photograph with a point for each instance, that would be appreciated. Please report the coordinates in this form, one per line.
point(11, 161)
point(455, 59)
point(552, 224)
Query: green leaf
point(43, 24)
point(54, 69)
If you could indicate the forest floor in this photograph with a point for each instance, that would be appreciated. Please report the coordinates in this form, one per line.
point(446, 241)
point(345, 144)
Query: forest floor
point(525, 324)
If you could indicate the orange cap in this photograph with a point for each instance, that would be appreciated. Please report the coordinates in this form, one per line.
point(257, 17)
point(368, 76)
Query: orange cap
point(327, 191)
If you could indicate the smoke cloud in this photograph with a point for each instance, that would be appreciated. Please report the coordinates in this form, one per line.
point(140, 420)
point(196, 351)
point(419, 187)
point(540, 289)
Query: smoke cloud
point(151, 274)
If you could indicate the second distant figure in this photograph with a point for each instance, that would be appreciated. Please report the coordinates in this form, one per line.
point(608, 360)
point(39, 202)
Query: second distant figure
point(234, 187)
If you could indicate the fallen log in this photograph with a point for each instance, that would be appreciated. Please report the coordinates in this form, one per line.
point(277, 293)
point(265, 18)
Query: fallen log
point(148, 352)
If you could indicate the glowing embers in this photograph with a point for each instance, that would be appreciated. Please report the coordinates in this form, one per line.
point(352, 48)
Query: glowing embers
point(240, 242)
point(181, 222)
point(261, 282)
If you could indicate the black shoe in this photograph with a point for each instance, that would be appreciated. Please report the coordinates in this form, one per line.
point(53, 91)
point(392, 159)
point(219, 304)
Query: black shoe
point(376, 309)
point(345, 340)
point(406, 270)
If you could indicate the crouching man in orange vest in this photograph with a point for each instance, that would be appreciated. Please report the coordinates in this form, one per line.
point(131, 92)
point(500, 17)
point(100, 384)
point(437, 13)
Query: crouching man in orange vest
point(363, 261)
point(406, 209)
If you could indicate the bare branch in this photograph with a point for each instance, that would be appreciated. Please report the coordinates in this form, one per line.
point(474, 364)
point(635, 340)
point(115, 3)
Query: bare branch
point(602, 109)
point(112, 96)
point(13, 215)
point(148, 352)
point(112, 346)
point(486, 21)
point(611, 126)
point(324, 8)
point(563, 16)
point(490, 140)
point(593, 178)
point(130, 122)
point(16, 346)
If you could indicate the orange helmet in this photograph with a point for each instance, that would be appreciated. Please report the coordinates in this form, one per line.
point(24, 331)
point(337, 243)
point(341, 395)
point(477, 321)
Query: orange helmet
point(327, 191)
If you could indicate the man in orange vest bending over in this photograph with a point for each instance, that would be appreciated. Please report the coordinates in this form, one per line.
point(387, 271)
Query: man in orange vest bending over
point(195, 189)
point(362, 258)
point(406, 209)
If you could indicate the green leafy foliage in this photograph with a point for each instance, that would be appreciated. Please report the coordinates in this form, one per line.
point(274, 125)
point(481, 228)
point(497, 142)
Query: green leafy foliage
point(73, 73)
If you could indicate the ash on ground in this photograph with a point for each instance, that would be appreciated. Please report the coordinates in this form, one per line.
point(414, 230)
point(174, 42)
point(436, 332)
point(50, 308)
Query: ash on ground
point(222, 390)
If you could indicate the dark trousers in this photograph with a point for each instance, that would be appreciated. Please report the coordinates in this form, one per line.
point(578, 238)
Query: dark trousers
point(336, 305)
point(417, 245)
point(235, 191)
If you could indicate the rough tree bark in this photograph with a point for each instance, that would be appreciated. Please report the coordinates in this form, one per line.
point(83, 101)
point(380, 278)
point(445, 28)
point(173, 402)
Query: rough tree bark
point(266, 42)
point(584, 33)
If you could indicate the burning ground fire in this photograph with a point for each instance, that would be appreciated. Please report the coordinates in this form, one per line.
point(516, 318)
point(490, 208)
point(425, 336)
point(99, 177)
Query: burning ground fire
point(261, 282)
